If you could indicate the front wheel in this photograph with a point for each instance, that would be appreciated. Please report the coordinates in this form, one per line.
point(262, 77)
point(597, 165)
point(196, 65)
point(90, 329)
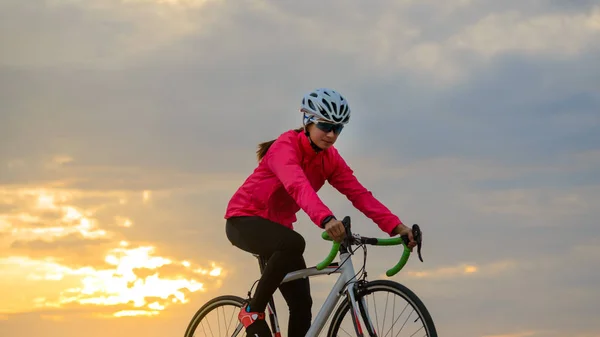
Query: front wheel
point(218, 317)
point(385, 307)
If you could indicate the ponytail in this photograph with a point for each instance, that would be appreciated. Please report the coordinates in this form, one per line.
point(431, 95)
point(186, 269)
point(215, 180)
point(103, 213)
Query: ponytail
point(264, 146)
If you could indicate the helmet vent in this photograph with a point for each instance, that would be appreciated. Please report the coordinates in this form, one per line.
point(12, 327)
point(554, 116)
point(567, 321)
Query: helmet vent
point(326, 104)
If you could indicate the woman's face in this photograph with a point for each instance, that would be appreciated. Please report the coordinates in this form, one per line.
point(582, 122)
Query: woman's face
point(324, 134)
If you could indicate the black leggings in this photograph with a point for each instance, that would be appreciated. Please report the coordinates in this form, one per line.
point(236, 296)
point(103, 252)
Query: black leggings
point(283, 247)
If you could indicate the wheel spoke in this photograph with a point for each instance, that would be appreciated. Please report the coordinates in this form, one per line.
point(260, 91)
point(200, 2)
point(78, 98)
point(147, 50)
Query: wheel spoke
point(376, 315)
point(346, 332)
point(216, 309)
point(218, 319)
point(406, 306)
point(387, 297)
point(210, 328)
point(401, 318)
point(231, 320)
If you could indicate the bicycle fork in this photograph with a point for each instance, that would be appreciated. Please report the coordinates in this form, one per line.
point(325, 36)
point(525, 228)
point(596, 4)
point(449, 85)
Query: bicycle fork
point(357, 306)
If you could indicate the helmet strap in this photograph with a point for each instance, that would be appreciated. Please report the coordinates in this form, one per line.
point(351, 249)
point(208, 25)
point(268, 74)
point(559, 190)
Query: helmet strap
point(313, 145)
point(307, 120)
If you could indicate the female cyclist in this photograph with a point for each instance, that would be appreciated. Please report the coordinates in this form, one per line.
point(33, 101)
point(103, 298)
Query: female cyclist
point(261, 213)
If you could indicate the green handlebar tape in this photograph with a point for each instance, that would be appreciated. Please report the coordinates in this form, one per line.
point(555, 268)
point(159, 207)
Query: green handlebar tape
point(394, 270)
point(332, 254)
point(389, 242)
point(380, 242)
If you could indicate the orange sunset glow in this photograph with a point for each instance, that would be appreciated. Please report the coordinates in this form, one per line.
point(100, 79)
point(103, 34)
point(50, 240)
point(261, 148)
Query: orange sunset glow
point(43, 228)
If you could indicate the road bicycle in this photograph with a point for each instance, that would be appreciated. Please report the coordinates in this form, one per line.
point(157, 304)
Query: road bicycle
point(350, 296)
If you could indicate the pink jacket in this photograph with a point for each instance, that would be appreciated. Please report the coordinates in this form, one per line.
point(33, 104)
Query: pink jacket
point(288, 177)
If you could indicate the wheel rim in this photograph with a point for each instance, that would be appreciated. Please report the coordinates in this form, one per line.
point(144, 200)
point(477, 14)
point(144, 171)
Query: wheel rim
point(218, 320)
point(392, 313)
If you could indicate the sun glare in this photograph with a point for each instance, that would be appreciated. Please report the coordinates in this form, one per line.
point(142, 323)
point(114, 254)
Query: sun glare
point(128, 279)
point(132, 278)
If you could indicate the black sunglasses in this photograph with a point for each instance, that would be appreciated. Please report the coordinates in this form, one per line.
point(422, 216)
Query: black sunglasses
point(328, 127)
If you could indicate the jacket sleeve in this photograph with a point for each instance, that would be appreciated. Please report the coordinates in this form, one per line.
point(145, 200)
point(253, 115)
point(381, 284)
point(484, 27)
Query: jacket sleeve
point(283, 160)
point(344, 180)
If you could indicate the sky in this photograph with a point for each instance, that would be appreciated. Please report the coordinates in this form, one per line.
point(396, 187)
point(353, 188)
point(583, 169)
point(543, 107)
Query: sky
point(126, 126)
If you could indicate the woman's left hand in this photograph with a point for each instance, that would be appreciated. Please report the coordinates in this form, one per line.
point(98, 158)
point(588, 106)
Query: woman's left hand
point(401, 229)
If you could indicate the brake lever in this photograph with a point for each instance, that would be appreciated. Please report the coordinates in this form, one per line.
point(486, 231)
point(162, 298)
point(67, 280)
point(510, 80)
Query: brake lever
point(416, 230)
point(349, 237)
point(417, 236)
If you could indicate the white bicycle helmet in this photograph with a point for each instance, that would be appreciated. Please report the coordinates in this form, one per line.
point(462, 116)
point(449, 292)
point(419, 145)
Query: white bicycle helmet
point(325, 104)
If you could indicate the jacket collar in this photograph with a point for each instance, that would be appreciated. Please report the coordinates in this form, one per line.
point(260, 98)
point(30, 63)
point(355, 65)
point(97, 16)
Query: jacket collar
point(307, 150)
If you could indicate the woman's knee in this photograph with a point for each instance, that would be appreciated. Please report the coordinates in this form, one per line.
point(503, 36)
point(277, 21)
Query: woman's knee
point(296, 244)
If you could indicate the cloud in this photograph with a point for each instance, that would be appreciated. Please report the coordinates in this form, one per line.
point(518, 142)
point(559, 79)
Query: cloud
point(133, 281)
point(463, 270)
point(68, 242)
point(98, 33)
point(391, 38)
point(143, 111)
point(120, 285)
point(71, 256)
point(557, 34)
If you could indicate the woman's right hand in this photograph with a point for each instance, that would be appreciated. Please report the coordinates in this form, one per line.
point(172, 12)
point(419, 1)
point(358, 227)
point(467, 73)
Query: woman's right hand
point(336, 230)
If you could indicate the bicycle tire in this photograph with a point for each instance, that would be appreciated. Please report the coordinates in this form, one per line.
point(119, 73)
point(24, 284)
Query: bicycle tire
point(390, 286)
point(208, 307)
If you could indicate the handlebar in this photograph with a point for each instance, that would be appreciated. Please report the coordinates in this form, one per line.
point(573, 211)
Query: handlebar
point(358, 239)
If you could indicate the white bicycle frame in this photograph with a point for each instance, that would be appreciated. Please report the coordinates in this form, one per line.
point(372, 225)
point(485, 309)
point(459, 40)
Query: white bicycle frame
point(343, 285)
